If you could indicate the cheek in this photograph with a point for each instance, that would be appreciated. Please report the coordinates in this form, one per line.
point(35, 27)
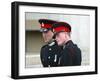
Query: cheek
point(49, 34)
point(63, 36)
point(60, 39)
point(43, 35)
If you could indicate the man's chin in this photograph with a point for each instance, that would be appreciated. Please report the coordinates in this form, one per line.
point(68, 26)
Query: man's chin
point(46, 41)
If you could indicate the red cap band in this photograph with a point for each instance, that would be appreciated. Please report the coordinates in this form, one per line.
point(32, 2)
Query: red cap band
point(61, 28)
point(46, 25)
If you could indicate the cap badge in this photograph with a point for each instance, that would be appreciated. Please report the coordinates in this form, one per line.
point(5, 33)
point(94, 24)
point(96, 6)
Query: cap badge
point(42, 24)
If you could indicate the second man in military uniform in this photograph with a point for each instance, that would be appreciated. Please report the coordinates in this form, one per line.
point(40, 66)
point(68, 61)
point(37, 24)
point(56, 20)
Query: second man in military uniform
point(71, 53)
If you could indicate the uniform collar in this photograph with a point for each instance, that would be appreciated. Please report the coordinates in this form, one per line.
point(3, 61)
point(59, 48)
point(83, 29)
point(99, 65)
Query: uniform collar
point(68, 44)
point(52, 40)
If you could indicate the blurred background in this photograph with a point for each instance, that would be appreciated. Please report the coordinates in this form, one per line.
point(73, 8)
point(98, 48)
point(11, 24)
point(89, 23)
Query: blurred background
point(80, 35)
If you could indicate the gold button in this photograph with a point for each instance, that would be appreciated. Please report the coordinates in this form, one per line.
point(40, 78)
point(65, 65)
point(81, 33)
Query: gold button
point(49, 57)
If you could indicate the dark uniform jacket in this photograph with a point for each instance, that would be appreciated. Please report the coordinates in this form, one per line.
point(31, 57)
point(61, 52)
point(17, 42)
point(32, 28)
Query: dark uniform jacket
point(50, 54)
point(71, 55)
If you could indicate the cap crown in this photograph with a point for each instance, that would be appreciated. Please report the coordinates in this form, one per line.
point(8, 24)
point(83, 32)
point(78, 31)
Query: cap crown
point(61, 26)
point(46, 23)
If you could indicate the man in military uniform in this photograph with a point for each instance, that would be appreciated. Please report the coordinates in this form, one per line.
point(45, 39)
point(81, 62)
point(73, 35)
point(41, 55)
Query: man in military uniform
point(50, 52)
point(71, 53)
